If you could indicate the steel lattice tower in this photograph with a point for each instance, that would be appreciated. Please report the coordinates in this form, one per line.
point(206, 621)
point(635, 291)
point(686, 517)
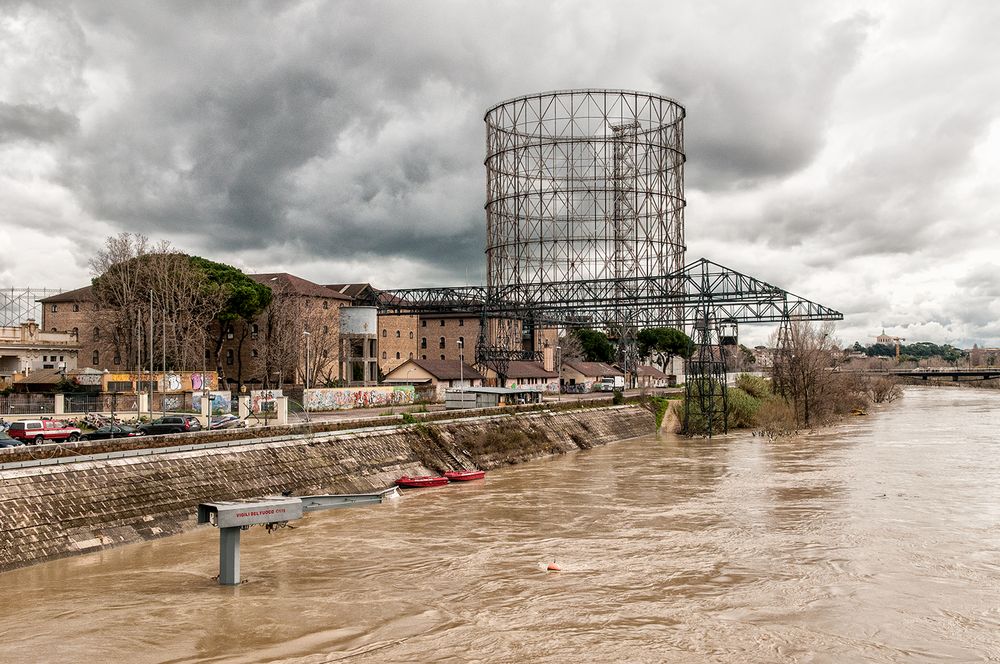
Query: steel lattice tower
point(585, 185)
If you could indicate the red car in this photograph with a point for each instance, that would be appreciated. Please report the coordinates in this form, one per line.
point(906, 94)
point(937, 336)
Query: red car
point(43, 431)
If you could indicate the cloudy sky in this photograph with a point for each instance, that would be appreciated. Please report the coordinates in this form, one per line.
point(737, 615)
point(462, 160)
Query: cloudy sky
point(847, 152)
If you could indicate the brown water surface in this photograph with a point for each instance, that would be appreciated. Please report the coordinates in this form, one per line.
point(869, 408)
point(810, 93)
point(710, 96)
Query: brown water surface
point(878, 540)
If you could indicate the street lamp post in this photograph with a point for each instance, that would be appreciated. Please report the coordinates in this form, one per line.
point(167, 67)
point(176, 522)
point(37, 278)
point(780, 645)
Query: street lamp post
point(559, 369)
point(308, 337)
point(461, 370)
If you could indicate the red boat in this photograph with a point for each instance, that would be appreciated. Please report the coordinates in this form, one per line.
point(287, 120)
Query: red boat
point(464, 475)
point(421, 481)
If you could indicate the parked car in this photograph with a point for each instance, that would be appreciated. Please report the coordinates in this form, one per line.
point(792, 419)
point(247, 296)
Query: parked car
point(116, 431)
point(171, 424)
point(7, 441)
point(226, 422)
point(43, 431)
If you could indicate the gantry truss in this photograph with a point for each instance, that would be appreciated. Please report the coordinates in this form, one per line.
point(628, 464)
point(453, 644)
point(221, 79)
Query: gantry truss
point(600, 303)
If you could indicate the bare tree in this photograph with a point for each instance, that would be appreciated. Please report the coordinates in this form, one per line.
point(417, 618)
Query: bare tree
point(802, 371)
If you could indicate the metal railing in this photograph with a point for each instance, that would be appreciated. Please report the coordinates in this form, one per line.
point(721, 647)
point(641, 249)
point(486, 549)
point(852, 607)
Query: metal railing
point(27, 404)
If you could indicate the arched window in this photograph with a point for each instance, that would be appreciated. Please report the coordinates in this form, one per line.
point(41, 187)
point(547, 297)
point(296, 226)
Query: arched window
point(442, 357)
point(411, 356)
point(423, 343)
point(97, 334)
point(411, 334)
point(397, 355)
point(441, 344)
point(326, 304)
point(397, 334)
point(76, 332)
point(385, 333)
point(326, 329)
point(96, 357)
point(76, 307)
point(384, 355)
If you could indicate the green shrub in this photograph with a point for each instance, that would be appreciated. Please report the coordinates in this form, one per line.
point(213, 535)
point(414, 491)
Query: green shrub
point(756, 386)
point(617, 398)
point(409, 419)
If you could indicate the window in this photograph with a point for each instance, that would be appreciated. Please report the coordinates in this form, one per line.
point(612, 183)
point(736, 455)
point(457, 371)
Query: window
point(53, 329)
point(423, 323)
point(441, 343)
point(326, 329)
point(117, 359)
point(384, 355)
point(229, 332)
point(76, 332)
point(45, 358)
point(423, 357)
point(423, 342)
point(96, 359)
point(76, 307)
point(53, 308)
point(442, 357)
point(326, 304)
point(397, 355)
point(411, 334)
point(253, 353)
point(442, 322)
point(229, 356)
point(398, 334)
point(254, 331)
point(461, 322)
point(385, 333)
point(208, 354)
point(411, 356)
point(97, 335)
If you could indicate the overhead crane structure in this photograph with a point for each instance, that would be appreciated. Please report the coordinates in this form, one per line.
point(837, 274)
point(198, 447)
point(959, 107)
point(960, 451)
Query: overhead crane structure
point(710, 295)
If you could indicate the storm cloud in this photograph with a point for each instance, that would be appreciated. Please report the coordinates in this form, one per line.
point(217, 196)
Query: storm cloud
point(844, 151)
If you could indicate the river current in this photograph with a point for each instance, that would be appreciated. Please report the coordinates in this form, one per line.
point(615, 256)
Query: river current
point(877, 540)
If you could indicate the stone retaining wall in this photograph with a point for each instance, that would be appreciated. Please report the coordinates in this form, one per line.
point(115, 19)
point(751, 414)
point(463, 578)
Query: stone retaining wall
point(54, 511)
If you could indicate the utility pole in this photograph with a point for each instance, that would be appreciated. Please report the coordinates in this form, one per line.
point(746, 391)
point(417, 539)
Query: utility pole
point(308, 336)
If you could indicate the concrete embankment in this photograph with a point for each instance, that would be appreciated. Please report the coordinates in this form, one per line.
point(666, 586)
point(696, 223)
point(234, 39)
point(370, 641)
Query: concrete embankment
point(75, 507)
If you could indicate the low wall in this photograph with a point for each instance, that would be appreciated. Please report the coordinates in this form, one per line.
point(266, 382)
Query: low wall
point(341, 398)
point(76, 507)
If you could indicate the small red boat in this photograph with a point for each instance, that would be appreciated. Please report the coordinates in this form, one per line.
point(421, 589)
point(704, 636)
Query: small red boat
point(464, 475)
point(421, 481)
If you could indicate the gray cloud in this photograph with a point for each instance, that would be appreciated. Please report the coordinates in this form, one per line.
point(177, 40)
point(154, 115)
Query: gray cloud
point(27, 122)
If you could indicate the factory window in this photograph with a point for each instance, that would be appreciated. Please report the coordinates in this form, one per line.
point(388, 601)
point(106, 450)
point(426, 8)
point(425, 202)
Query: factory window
point(253, 352)
point(411, 334)
point(442, 357)
point(384, 355)
point(229, 332)
point(385, 333)
point(97, 334)
point(442, 322)
point(96, 357)
point(423, 342)
point(411, 356)
point(117, 359)
point(254, 331)
point(441, 342)
point(76, 307)
point(76, 332)
point(229, 356)
point(326, 329)
point(423, 323)
point(398, 334)
point(53, 329)
point(461, 322)
point(53, 308)
point(423, 357)
point(326, 305)
point(397, 355)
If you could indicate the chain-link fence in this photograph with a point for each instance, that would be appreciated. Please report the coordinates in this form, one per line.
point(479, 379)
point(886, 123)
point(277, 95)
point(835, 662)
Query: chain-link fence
point(27, 404)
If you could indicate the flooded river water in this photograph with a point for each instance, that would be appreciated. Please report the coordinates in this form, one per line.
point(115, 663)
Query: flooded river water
point(877, 540)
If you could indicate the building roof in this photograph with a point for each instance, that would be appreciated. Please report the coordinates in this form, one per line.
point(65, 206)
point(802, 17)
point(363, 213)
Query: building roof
point(523, 369)
point(444, 369)
point(363, 292)
point(652, 372)
point(596, 369)
point(84, 294)
point(42, 377)
point(297, 285)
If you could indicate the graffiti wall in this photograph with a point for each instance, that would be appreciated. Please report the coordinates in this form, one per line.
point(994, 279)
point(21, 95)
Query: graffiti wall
point(221, 402)
point(263, 401)
point(172, 381)
point(340, 398)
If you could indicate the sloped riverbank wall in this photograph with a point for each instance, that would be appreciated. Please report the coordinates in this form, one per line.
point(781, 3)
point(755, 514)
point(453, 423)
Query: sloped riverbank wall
point(76, 507)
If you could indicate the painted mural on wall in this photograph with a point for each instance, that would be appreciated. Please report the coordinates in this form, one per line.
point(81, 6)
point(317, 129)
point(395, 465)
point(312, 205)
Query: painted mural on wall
point(221, 402)
point(341, 398)
point(172, 381)
point(263, 401)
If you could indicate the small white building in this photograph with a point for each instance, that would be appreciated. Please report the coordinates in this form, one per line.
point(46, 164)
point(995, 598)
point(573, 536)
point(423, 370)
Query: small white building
point(26, 348)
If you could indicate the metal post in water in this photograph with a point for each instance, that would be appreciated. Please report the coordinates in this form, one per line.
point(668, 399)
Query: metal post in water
point(229, 556)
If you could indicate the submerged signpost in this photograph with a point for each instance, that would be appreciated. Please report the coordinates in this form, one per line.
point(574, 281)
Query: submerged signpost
point(233, 516)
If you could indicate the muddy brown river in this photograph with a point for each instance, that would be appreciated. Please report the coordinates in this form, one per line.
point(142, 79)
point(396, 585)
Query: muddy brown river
point(874, 541)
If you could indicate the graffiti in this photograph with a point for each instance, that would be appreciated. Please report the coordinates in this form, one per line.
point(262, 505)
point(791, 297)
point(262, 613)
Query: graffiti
point(263, 401)
point(220, 402)
point(342, 398)
point(173, 402)
point(171, 383)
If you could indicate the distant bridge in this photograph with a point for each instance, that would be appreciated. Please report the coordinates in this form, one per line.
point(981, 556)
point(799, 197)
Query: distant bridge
point(938, 373)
